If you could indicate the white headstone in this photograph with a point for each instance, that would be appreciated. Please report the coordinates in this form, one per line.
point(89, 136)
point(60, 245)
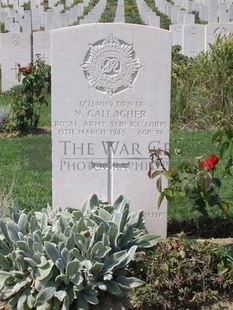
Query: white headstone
point(177, 33)
point(222, 7)
point(204, 12)
point(110, 105)
point(230, 10)
point(174, 14)
point(26, 25)
point(36, 23)
point(191, 6)
point(180, 17)
point(215, 30)
point(14, 27)
point(42, 46)
point(154, 20)
point(193, 41)
point(214, 4)
point(8, 22)
point(16, 49)
point(189, 19)
point(224, 17)
point(213, 16)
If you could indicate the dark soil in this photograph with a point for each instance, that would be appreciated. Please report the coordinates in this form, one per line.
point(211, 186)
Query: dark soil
point(39, 131)
point(211, 228)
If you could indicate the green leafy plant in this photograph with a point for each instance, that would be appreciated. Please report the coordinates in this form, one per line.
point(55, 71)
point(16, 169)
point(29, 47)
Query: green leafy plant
point(71, 258)
point(204, 83)
point(88, 8)
point(109, 12)
point(27, 99)
point(181, 273)
point(165, 22)
point(181, 85)
point(131, 12)
point(194, 179)
point(223, 140)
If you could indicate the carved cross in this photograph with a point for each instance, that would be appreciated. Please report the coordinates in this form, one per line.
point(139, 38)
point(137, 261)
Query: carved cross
point(16, 68)
point(194, 52)
point(42, 57)
point(110, 166)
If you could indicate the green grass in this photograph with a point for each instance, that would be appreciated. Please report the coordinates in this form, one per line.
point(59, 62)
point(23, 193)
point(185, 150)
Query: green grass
point(45, 119)
point(25, 166)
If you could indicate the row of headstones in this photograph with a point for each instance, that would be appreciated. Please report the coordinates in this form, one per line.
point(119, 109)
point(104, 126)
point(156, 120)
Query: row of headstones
point(214, 10)
point(176, 15)
point(15, 50)
point(20, 20)
point(148, 16)
point(193, 38)
point(210, 11)
point(196, 38)
point(17, 19)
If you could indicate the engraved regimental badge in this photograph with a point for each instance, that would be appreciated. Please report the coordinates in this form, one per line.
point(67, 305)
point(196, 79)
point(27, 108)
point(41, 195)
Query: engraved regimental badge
point(110, 65)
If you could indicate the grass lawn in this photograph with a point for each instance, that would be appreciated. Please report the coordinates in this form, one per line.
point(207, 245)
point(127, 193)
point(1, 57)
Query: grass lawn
point(25, 170)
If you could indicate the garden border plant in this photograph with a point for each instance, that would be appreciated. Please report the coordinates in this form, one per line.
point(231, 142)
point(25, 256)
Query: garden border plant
point(71, 258)
point(196, 179)
point(203, 83)
point(28, 98)
point(180, 273)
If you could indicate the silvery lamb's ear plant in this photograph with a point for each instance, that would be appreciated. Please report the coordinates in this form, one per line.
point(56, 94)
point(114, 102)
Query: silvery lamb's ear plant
point(4, 116)
point(69, 258)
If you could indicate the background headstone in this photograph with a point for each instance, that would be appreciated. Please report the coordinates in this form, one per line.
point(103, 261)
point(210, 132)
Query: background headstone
point(193, 40)
point(42, 46)
point(216, 29)
point(16, 49)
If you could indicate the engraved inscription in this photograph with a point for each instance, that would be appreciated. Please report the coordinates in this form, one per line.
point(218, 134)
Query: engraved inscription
point(44, 37)
point(111, 66)
point(221, 31)
point(16, 69)
point(154, 215)
point(15, 40)
point(42, 57)
point(178, 29)
point(110, 117)
point(193, 31)
point(194, 52)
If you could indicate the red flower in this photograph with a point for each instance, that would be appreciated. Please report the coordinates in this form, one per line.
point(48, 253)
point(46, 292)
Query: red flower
point(210, 162)
point(177, 245)
point(22, 69)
